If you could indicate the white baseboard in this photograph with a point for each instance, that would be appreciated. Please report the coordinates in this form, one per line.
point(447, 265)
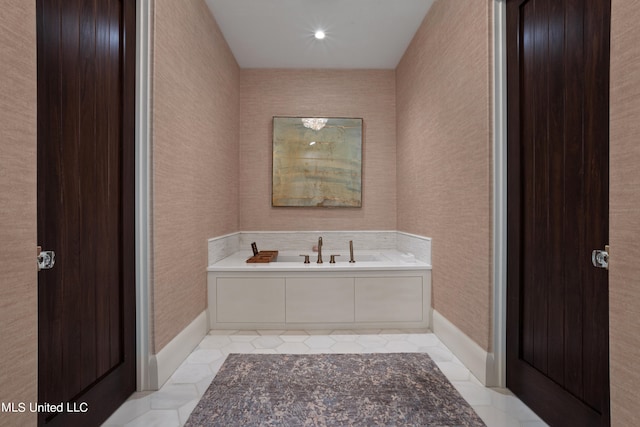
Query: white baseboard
point(474, 357)
point(163, 364)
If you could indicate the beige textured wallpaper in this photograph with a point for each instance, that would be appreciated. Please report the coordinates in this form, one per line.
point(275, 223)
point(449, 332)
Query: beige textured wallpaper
point(195, 158)
point(367, 94)
point(624, 274)
point(18, 276)
point(444, 157)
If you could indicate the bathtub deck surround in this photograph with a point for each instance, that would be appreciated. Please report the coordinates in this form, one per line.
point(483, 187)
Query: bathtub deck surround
point(384, 288)
point(223, 246)
point(383, 260)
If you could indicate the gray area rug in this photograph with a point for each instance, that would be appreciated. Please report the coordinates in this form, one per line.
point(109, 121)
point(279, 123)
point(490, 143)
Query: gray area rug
point(395, 389)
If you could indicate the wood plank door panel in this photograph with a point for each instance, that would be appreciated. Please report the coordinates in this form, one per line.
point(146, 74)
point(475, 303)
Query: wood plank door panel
point(558, 112)
point(86, 326)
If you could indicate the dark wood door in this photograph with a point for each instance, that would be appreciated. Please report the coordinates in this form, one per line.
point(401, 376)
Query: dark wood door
point(558, 196)
point(86, 303)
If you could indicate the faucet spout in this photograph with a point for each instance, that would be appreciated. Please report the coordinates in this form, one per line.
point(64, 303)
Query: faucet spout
point(319, 251)
point(351, 260)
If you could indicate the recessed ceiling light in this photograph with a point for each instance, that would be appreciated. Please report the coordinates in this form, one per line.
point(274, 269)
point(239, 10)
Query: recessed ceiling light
point(319, 34)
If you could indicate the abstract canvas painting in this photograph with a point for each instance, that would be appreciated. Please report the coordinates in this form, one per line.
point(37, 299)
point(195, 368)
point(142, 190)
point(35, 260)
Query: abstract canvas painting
point(317, 162)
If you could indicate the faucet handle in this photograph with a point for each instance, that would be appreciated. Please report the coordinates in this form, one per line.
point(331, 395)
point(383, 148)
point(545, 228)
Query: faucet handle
point(306, 259)
point(332, 259)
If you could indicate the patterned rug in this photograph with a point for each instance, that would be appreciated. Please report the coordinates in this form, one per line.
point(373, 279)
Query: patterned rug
point(396, 389)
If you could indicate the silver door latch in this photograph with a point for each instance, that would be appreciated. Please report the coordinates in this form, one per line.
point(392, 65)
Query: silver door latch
point(600, 258)
point(46, 260)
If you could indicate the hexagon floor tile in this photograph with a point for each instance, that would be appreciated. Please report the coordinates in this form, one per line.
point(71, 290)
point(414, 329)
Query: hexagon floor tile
point(172, 404)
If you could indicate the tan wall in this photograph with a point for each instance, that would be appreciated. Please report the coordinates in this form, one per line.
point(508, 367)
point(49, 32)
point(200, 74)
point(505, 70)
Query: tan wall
point(624, 275)
point(368, 94)
point(195, 158)
point(444, 157)
point(18, 277)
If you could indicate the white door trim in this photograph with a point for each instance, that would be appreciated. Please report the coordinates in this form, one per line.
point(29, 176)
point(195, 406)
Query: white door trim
point(144, 25)
point(499, 193)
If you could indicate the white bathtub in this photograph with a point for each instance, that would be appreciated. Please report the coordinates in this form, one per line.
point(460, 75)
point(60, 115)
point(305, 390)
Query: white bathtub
point(292, 261)
point(382, 289)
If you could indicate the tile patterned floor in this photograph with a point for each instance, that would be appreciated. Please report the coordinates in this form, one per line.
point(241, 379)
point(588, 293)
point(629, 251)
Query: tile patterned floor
point(171, 405)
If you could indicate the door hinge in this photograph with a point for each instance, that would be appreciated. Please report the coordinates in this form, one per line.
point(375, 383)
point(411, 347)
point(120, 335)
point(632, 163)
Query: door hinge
point(600, 258)
point(46, 259)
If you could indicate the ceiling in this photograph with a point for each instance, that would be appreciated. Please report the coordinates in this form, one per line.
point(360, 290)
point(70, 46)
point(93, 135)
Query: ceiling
point(280, 33)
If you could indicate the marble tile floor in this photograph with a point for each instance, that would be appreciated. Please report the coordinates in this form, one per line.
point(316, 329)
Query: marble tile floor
point(171, 405)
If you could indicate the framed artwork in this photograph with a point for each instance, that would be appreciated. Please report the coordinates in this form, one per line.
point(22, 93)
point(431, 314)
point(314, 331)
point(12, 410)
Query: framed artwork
point(317, 162)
